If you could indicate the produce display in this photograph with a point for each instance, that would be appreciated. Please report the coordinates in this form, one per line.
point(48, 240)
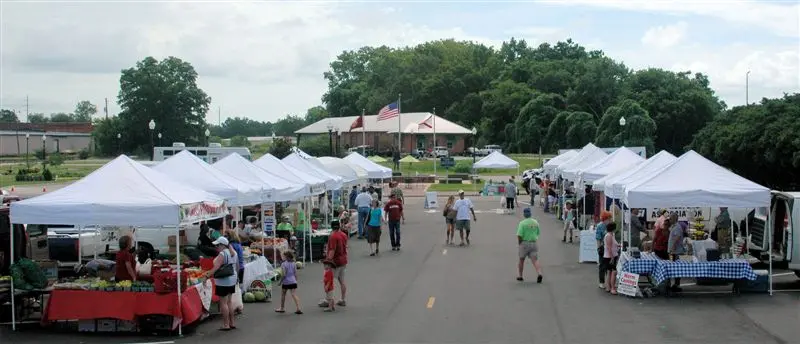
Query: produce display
point(279, 243)
point(28, 275)
point(101, 285)
point(256, 296)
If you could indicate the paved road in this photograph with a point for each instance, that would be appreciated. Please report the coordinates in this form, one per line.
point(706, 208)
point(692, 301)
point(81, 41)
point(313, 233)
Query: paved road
point(429, 293)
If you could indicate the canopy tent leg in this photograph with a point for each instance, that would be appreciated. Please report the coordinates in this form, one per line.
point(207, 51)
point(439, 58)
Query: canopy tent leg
point(13, 296)
point(178, 260)
point(770, 228)
point(80, 245)
point(308, 230)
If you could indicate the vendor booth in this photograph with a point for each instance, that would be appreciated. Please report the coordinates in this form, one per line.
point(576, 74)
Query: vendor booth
point(125, 193)
point(275, 166)
point(374, 171)
point(694, 181)
point(551, 165)
point(496, 160)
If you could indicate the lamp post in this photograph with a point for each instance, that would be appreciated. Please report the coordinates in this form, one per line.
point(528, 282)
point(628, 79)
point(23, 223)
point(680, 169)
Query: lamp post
point(747, 88)
point(159, 139)
point(119, 143)
point(622, 134)
point(27, 149)
point(474, 132)
point(208, 133)
point(338, 141)
point(152, 126)
point(330, 138)
point(44, 148)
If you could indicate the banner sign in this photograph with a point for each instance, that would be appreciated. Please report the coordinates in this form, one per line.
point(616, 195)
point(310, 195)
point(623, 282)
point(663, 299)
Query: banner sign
point(628, 284)
point(203, 211)
point(684, 213)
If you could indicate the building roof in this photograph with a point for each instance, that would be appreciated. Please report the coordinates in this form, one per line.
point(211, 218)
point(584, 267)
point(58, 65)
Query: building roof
point(79, 127)
point(409, 122)
point(38, 134)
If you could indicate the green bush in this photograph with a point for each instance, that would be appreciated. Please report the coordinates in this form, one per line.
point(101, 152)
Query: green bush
point(47, 175)
point(39, 154)
point(83, 154)
point(55, 159)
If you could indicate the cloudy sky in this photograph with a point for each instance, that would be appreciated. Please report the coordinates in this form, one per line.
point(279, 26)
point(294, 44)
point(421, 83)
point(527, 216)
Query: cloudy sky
point(265, 59)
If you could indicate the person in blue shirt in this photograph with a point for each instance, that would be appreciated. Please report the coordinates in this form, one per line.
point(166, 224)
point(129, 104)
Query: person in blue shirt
point(374, 221)
point(599, 233)
point(352, 201)
point(236, 244)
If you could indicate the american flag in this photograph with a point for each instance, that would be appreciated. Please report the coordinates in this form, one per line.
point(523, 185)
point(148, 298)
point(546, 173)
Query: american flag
point(388, 111)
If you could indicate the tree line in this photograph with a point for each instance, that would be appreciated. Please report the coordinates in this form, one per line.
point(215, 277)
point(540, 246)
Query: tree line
point(83, 113)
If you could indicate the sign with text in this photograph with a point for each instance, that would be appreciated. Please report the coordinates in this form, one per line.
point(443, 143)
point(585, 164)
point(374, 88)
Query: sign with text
point(628, 284)
point(684, 213)
point(448, 162)
point(268, 216)
point(431, 200)
point(588, 247)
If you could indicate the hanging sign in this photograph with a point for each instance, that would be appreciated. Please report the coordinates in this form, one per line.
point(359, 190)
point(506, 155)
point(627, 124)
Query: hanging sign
point(268, 216)
point(684, 213)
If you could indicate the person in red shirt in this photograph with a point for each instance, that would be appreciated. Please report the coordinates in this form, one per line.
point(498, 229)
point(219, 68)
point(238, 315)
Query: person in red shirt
point(661, 239)
point(125, 262)
point(337, 254)
point(394, 211)
point(327, 282)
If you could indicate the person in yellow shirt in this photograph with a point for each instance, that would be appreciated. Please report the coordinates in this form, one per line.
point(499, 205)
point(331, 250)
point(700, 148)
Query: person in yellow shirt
point(527, 236)
point(286, 231)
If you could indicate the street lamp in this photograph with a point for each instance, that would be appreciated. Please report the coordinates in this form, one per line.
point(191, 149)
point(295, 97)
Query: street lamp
point(208, 133)
point(27, 149)
point(119, 143)
point(159, 139)
point(330, 138)
point(338, 140)
point(747, 88)
point(44, 147)
point(474, 132)
point(622, 134)
point(152, 126)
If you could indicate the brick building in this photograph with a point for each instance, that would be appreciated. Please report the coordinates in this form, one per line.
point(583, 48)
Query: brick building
point(17, 138)
point(382, 136)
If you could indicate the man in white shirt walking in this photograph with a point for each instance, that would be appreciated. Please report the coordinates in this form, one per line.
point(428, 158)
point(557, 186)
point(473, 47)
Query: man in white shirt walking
point(463, 207)
point(363, 202)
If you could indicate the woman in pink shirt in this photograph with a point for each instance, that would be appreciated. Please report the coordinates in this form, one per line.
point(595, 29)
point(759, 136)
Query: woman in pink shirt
point(660, 220)
point(610, 254)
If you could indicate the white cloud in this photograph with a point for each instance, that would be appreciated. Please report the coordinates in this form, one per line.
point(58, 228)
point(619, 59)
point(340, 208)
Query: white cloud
point(781, 18)
point(663, 37)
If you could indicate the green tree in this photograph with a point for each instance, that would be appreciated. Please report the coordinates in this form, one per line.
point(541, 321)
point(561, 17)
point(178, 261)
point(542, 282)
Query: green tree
point(760, 142)
point(62, 117)
point(104, 136)
point(639, 129)
point(8, 116)
point(316, 145)
point(316, 114)
point(166, 92)
point(239, 141)
point(288, 125)
point(580, 129)
point(280, 148)
point(84, 111)
point(534, 119)
point(38, 118)
point(557, 133)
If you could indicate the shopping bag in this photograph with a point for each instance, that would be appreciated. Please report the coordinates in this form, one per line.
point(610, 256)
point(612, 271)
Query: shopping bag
point(236, 300)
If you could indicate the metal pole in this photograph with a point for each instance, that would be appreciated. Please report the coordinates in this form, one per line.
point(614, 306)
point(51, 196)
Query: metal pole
point(747, 88)
point(178, 261)
point(330, 142)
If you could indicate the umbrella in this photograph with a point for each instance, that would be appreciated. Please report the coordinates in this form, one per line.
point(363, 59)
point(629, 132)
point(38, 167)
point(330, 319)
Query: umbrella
point(409, 159)
point(376, 158)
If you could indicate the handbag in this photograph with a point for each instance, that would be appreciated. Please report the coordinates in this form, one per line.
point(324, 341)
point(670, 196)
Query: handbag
point(225, 270)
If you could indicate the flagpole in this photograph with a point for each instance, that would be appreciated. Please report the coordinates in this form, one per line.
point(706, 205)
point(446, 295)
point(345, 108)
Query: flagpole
point(434, 142)
point(363, 134)
point(399, 130)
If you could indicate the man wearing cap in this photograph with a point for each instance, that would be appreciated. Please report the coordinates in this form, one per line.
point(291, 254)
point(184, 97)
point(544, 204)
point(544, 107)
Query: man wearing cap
point(463, 207)
point(363, 201)
point(527, 236)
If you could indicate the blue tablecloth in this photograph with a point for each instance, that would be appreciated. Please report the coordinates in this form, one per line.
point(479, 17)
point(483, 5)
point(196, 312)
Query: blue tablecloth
point(734, 269)
point(643, 266)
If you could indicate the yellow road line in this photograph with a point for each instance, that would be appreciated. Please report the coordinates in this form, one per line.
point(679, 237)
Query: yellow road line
point(431, 301)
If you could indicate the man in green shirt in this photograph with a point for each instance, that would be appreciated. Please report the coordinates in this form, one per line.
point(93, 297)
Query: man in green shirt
point(527, 236)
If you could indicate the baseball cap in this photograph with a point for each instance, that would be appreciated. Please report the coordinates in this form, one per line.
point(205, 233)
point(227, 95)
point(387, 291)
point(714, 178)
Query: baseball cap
point(526, 212)
point(461, 191)
point(220, 241)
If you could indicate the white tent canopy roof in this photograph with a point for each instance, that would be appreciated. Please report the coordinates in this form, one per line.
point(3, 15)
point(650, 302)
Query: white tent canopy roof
point(340, 168)
point(121, 193)
point(586, 158)
point(374, 170)
point(189, 169)
point(620, 159)
point(496, 160)
point(578, 156)
point(694, 181)
point(295, 160)
point(275, 166)
point(276, 189)
point(615, 188)
point(553, 163)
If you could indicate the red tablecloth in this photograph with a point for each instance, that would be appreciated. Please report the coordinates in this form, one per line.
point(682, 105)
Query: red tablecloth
point(87, 304)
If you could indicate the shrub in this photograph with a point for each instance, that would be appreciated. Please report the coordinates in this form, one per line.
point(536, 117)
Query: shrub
point(47, 175)
point(55, 159)
point(83, 154)
point(463, 167)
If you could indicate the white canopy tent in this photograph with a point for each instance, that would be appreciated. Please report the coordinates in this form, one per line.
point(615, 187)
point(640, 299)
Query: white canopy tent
point(301, 153)
point(277, 189)
point(360, 171)
point(621, 159)
point(295, 160)
point(496, 160)
point(694, 181)
point(340, 168)
point(615, 188)
point(121, 193)
point(275, 166)
point(191, 170)
point(551, 165)
point(374, 171)
point(586, 158)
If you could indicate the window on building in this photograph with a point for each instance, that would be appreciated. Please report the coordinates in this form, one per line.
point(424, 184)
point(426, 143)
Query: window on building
point(451, 140)
point(168, 152)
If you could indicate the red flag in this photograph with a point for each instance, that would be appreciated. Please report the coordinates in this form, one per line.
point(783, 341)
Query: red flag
point(358, 123)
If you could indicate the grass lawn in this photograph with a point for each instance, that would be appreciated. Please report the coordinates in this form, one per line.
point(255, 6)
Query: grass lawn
point(425, 167)
point(66, 172)
point(453, 187)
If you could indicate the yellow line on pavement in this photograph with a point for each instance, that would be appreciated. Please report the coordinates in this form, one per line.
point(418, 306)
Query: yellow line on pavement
point(431, 301)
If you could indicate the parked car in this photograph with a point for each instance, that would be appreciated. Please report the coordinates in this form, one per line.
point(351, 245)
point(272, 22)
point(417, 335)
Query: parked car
point(440, 151)
point(489, 149)
point(534, 175)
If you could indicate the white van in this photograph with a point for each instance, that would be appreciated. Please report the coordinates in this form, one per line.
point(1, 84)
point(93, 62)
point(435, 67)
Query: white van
point(785, 223)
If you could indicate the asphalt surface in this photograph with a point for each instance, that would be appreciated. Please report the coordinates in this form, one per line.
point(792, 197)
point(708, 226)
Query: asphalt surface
point(431, 293)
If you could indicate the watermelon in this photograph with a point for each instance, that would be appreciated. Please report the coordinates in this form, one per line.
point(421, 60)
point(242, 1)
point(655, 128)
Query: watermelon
point(260, 296)
point(258, 284)
point(249, 297)
point(299, 265)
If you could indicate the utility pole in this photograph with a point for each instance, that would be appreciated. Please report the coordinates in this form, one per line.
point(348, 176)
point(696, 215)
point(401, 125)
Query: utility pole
point(16, 135)
point(747, 88)
point(27, 108)
point(105, 109)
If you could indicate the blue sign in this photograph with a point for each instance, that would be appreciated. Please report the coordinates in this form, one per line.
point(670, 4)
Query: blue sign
point(448, 162)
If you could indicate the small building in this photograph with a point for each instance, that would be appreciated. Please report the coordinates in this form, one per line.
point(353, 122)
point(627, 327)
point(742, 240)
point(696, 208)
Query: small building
point(416, 132)
point(17, 138)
